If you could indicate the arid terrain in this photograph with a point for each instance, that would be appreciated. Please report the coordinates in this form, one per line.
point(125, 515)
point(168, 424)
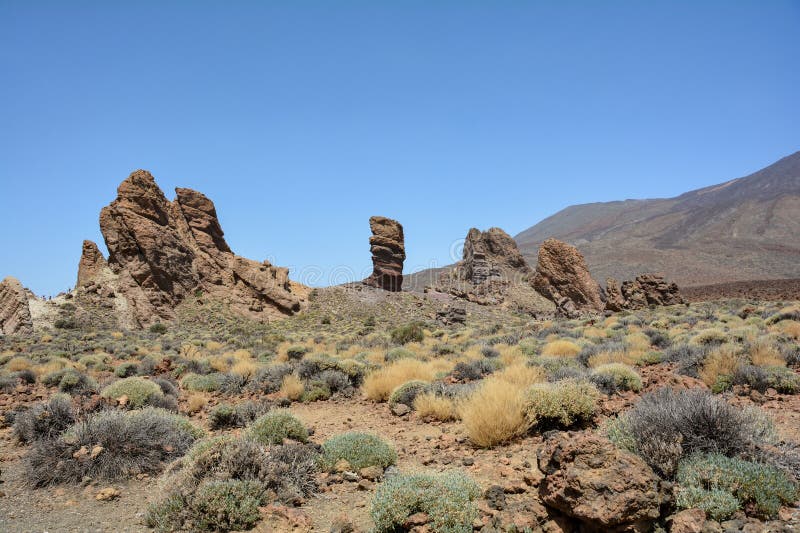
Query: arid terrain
point(181, 387)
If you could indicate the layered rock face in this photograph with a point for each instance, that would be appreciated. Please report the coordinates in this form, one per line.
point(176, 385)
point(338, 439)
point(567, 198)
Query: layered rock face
point(563, 277)
point(387, 245)
point(162, 252)
point(600, 486)
point(487, 254)
point(15, 313)
point(91, 265)
point(644, 291)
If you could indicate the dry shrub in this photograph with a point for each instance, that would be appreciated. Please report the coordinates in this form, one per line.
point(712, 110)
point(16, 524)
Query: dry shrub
point(195, 403)
point(379, 385)
point(790, 328)
point(722, 361)
point(494, 413)
point(561, 347)
point(246, 369)
point(18, 364)
point(764, 353)
point(292, 387)
point(429, 405)
point(638, 343)
point(607, 358)
point(213, 346)
point(521, 375)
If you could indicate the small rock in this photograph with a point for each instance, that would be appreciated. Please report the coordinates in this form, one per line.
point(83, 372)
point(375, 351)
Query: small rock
point(349, 476)
point(688, 521)
point(468, 461)
point(341, 466)
point(107, 494)
point(366, 484)
point(416, 519)
point(372, 473)
point(400, 409)
point(496, 498)
point(96, 450)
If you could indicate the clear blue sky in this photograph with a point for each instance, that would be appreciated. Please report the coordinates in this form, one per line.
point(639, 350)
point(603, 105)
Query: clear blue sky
point(302, 119)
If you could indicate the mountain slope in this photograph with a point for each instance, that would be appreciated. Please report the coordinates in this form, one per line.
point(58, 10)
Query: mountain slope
point(743, 229)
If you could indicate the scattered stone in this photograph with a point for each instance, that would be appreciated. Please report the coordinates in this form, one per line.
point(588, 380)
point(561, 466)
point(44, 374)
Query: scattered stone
point(349, 476)
point(495, 496)
point(107, 494)
point(366, 485)
point(591, 480)
point(342, 465)
point(563, 277)
point(400, 409)
point(688, 521)
point(387, 245)
point(452, 314)
point(416, 519)
point(372, 473)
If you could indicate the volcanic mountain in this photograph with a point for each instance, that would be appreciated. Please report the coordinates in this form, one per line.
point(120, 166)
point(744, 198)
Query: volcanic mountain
point(744, 229)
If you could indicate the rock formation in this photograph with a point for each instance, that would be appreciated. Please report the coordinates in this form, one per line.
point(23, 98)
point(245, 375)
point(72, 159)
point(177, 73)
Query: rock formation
point(15, 313)
point(644, 291)
point(563, 277)
point(491, 272)
point(162, 252)
point(614, 300)
point(91, 265)
point(387, 245)
point(599, 485)
point(487, 254)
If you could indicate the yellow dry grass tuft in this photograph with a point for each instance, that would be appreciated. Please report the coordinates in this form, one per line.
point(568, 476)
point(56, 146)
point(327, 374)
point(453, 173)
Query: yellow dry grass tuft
point(764, 353)
point(18, 363)
point(521, 375)
point(722, 361)
point(428, 405)
point(378, 386)
point(790, 328)
point(195, 403)
point(605, 358)
point(561, 347)
point(292, 387)
point(495, 413)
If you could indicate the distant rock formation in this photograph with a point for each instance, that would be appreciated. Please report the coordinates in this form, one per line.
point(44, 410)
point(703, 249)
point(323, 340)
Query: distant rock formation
point(162, 252)
point(644, 291)
point(92, 263)
point(563, 277)
point(491, 272)
point(387, 245)
point(15, 313)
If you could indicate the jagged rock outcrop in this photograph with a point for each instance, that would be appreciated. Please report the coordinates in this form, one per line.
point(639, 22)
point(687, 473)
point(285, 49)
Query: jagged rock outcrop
point(644, 291)
point(563, 277)
point(15, 313)
point(91, 265)
point(604, 488)
point(387, 245)
point(488, 254)
point(491, 272)
point(452, 314)
point(614, 299)
point(162, 252)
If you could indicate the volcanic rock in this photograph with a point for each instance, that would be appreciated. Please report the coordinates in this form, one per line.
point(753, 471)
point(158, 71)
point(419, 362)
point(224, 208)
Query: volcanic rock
point(596, 483)
point(387, 245)
point(91, 265)
point(563, 277)
point(15, 313)
point(163, 252)
point(650, 289)
point(486, 253)
point(614, 299)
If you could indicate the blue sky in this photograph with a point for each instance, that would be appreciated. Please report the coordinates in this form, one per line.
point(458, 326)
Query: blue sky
point(301, 119)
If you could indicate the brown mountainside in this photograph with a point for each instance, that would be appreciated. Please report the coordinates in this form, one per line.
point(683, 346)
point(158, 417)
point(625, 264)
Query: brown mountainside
point(743, 229)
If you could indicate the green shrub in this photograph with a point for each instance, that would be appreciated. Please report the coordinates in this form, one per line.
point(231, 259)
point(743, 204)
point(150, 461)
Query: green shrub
point(126, 369)
point(563, 403)
point(717, 504)
point(295, 353)
point(228, 505)
point(407, 392)
point(139, 391)
point(75, 382)
point(411, 332)
point(359, 449)
point(316, 392)
point(277, 425)
point(45, 420)
point(398, 353)
point(613, 377)
point(158, 328)
point(168, 514)
point(202, 382)
point(447, 499)
point(764, 487)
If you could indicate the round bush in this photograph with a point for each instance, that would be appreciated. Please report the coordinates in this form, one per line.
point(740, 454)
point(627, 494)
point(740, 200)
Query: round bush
point(139, 391)
point(613, 377)
point(228, 505)
point(202, 382)
point(277, 425)
point(407, 392)
point(447, 499)
point(563, 403)
point(359, 449)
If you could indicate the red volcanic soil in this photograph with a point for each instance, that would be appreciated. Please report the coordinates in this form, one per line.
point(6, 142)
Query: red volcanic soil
point(768, 289)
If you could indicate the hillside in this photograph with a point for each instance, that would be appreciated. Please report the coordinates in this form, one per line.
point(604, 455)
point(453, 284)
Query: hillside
point(743, 229)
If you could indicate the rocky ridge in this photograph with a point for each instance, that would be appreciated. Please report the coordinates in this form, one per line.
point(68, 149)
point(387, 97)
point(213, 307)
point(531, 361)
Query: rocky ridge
point(15, 314)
